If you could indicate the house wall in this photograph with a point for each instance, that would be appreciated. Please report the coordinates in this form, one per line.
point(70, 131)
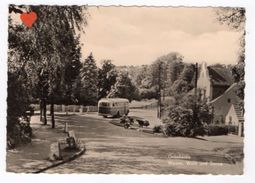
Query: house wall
point(223, 103)
point(231, 117)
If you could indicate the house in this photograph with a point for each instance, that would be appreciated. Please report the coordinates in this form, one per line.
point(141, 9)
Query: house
point(215, 84)
point(213, 81)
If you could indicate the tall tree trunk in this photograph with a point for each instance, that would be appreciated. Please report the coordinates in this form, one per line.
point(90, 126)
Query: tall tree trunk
point(41, 110)
point(52, 113)
point(66, 107)
point(44, 111)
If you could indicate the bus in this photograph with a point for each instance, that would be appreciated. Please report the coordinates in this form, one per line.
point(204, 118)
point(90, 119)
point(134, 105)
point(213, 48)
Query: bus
point(113, 107)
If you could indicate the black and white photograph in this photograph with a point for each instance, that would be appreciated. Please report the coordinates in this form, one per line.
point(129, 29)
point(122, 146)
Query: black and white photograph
point(125, 90)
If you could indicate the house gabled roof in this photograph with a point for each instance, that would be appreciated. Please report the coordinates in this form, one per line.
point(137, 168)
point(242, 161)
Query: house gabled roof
point(220, 75)
point(239, 112)
point(235, 101)
point(232, 87)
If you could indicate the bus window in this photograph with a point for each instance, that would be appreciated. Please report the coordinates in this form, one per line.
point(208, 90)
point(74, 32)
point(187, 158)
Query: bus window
point(104, 104)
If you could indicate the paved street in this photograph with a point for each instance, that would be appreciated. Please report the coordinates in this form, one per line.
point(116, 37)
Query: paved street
point(113, 149)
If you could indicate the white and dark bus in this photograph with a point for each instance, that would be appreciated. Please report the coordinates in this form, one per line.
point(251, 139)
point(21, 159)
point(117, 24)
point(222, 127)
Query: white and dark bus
point(113, 107)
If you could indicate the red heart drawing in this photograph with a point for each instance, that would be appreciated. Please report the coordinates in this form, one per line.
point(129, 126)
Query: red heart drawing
point(28, 18)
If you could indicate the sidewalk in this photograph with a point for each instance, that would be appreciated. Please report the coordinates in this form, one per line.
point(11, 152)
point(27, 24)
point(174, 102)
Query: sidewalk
point(34, 156)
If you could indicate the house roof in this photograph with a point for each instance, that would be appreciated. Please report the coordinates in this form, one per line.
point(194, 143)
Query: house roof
point(220, 102)
point(239, 112)
point(220, 75)
point(232, 87)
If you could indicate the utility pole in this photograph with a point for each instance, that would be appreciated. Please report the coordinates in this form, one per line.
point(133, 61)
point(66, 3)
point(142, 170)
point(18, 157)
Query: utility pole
point(195, 85)
point(159, 90)
point(195, 96)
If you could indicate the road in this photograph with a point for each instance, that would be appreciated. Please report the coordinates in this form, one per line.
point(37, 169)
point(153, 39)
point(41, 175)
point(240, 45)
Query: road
point(112, 149)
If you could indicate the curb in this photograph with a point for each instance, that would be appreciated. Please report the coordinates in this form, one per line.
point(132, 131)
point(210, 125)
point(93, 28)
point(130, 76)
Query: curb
point(73, 157)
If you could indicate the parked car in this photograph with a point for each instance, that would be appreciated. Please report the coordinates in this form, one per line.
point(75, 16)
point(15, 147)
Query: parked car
point(130, 120)
point(142, 122)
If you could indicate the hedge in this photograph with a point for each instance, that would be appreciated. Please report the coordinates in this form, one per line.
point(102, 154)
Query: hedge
point(213, 130)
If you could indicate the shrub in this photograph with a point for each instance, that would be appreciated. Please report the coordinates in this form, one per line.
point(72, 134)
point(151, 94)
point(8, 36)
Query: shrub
point(233, 129)
point(175, 129)
point(157, 129)
point(148, 93)
point(21, 133)
point(214, 130)
point(18, 131)
point(180, 122)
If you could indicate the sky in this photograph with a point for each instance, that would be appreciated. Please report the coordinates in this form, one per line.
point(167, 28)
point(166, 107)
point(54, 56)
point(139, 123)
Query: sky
point(139, 35)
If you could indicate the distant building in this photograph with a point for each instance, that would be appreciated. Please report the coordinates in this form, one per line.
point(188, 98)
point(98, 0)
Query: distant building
point(214, 80)
point(216, 85)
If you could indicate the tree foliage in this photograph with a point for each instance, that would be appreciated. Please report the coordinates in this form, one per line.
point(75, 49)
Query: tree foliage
point(185, 81)
point(38, 55)
point(89, 81)
point(124, 87)
point(162, 73)
point(71, 73)
point(235, 18)
point(107, 78)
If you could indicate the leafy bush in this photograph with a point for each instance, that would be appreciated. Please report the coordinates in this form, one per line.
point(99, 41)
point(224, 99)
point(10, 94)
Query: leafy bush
point(180, 122)
point(18, 129)
point(213, 130)
point(157, 129)
point(21, 133)
point(233, 129)
point(148, 93)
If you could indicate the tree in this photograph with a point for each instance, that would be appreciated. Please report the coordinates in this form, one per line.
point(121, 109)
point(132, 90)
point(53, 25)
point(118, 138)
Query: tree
point(168, 68)
point(71, 73)
point(21, 82)
point(106, 78)
point(51, 34)
point(142, 76)
point(238, 74)
point(151, 93)
point(51, 39)
point(235, 19)
point(18, 104)
point(42, 91)
point(185, 81)
point(124, 88)
point(89, 81)
point(160, 75)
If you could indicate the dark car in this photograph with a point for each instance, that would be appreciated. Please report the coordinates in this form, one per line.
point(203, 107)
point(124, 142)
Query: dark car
point(141, 121)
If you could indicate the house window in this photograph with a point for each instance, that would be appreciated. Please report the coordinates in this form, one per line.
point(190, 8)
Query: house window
point(229, 100)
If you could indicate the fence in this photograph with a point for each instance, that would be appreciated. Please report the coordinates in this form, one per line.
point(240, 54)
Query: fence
point(68, 108)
